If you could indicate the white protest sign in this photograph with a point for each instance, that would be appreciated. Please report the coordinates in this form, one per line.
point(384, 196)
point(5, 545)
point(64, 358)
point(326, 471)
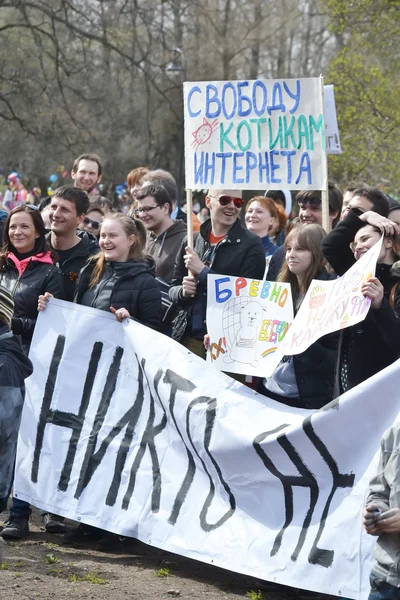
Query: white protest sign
point(247, 320)
point(331, 126)
point(329, 306)
point(262, 134)
point(126, 430)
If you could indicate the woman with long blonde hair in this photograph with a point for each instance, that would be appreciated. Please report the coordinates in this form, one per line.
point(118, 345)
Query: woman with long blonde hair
point(304, 380)
point(119, 278)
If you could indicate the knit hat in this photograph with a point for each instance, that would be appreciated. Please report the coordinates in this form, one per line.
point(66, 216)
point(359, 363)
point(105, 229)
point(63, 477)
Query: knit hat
point(6, 306)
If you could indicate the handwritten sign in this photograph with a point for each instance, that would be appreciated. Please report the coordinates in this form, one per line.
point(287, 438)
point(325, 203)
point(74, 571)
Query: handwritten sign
point(126, 430)
point(331, 126)
point(247, 320)
point(255, 134)
point(329, 306)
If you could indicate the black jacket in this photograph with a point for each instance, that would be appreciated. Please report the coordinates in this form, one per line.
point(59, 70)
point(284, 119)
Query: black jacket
point(374, 344)
point(130, 285)
point(37, 278)
point(314, 370)
point(15, 366)
point(239, 254)
point(71, 267)
point(276, 263)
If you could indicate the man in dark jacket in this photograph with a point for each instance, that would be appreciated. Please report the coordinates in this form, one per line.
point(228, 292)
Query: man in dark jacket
point(15, 367)
point(223, 246)
point(68, 207)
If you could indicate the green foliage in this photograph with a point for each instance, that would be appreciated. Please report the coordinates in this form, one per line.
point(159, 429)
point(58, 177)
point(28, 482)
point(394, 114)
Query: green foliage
point(367, 87)
point(254, 595)
point(92, 577)
point(3, 566)
point(164, 572)
point(50, 559)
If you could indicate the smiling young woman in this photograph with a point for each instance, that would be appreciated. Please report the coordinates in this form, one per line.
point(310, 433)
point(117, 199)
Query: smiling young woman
point(26, 268)
point(119, 278)
point(304, 380)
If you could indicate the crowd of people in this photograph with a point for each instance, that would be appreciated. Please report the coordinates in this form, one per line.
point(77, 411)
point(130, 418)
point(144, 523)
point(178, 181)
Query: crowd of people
point(138, 265)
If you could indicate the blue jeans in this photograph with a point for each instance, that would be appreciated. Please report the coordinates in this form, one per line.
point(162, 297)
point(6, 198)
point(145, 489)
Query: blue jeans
point(20, 508)
point(380, 590)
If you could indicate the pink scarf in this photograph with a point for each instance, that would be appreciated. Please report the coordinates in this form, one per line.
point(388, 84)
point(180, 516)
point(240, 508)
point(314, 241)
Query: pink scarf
point(22, 264)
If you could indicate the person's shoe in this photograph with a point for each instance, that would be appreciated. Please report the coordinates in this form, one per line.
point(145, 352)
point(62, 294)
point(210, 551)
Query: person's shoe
point(54, 523)
point(15, 528)
point(84, 533)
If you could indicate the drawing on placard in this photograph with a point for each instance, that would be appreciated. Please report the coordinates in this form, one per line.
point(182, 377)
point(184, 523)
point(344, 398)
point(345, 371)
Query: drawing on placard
point(241, 321)
point(204, 132)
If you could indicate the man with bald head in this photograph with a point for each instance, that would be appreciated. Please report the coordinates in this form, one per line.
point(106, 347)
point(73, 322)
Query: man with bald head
point(224, 247)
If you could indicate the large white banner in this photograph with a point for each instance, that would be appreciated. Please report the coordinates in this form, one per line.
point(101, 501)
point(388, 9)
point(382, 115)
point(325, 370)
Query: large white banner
point(126, 430)
point(262, 134)
point(247, 320)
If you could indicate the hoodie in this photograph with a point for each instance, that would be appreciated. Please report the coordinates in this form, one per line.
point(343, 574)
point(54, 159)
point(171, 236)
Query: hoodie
point(164, 249)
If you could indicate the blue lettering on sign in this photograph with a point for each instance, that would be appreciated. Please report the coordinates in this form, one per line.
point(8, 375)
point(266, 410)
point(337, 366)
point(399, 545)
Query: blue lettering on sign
point(192, 91)
point(305, 167)
point(237, 167)
point(274, 167)
point(229, 86)
point(212, 98)
point(241, 99)
point(223, 156)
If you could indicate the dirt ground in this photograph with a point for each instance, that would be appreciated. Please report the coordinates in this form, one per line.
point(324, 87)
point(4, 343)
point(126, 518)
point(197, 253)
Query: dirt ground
point(44, 566)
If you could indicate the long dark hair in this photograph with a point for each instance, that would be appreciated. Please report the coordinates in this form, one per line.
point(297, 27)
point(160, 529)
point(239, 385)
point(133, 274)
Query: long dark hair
point(41, 244)
point(131, 227)
point(308, 237)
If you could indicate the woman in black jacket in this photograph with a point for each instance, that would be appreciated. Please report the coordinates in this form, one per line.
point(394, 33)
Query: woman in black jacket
point(26, 268)
point(119, 279)
point(304, 380)
point(374, 344)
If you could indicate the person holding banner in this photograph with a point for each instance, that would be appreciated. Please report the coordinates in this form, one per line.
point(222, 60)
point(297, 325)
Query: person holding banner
point(15, 367)
point(27, 269)
point(304, 380)
point(374, 344)
point(224, 247)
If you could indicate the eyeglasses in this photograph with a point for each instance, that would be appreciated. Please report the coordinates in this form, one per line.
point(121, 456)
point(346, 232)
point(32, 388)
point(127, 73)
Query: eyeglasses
point(93, 224)
point(225, 200)
point(32, 206)
point(144, 209)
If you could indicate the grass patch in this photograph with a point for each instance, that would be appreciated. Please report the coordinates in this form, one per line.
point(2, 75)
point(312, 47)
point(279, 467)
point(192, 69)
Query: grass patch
point(55, 571)
point(3, 566)
point(50, 545)
point(50, 559)
point(164, 572)
point(92, 577)
point(254, 595)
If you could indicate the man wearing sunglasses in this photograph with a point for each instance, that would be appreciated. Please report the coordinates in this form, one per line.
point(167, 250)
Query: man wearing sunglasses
point(222, 246)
